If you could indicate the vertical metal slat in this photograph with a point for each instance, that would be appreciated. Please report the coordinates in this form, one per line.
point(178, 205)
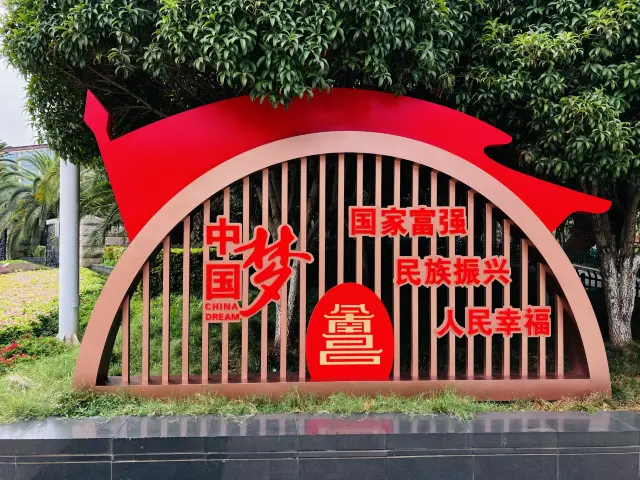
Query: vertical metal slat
point(396, 289)
point(283, 292)
point(206, 219)
point(488, 367)
point(470, 288)
point(359, 193)
point(524, 301)
point(186, 298)
point(303, 270)
point(322, 165)
point(506, 300)
point(145, 323)
point(340, 226)
point(433, 350)
point(245, 283)
point(265, 311)
point(542, 341)
point(126, 330)
point(559, 337)
point(415, 290)
point(452, 289)
point(166, 296)
point(378, 239)
point(225, 325)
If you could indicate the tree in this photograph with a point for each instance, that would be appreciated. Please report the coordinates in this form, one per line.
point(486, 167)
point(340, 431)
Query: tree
point(3, 232)
point(148, 59)
point(561, 76)
point(146, 63)
point(97, 199)
point(564, 78)
point(30, 196)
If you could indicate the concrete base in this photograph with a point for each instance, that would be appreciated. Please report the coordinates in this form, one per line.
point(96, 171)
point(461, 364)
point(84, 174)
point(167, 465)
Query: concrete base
point(69, 340)
point(494, 446)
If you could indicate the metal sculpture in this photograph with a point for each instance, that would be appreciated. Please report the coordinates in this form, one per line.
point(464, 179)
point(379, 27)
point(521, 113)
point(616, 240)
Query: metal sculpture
point(439, 254)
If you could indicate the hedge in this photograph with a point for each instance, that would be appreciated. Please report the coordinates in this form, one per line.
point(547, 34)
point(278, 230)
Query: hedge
point(111, 254)
point(175, 272)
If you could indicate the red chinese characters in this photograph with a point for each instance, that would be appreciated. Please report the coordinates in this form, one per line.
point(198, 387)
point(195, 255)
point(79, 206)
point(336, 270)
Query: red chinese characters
point(223, 235)
point(272, 264)
point(420, 221)
point(363, 221)
point(349, 336)
point(223, 278)
point(507, 321)
point(452, 221)
point(456, 271)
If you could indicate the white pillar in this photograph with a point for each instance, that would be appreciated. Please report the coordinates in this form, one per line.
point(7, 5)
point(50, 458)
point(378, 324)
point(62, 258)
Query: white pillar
point(69, 252)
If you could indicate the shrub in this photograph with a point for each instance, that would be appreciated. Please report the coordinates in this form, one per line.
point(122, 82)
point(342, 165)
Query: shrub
point(29, 348)
point(111, 254)
point(9, 356)
point(29, 302)
point(175, 272)
point(40, 346)
point(40, 251)
point(24, 297)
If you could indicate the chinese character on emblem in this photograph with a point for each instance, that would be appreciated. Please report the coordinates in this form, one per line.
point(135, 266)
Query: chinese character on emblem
point(223, 278)
point(349, 341)
point(349, 336)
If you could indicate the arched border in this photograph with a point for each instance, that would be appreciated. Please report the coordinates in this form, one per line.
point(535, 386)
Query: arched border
point(106, 309)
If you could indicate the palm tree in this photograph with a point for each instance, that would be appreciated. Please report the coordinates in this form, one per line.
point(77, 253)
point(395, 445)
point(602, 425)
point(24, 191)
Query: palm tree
point(97, 199)
point(30, 195)
point(3, 232)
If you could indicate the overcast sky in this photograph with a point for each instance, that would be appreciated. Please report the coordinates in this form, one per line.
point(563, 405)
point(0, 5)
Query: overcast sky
point(14, 123)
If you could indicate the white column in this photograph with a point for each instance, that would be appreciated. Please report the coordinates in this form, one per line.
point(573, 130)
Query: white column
point(69, 252)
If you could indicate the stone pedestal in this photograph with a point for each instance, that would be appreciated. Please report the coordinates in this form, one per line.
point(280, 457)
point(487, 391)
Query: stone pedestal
point(116, 238)
point(53, 254)
point(90, 254)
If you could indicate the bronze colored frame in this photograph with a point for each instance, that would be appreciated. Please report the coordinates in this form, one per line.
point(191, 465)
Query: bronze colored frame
point(97, 345)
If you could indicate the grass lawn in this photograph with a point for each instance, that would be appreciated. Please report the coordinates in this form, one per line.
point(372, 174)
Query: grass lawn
point(49, 393)
point(39, 384)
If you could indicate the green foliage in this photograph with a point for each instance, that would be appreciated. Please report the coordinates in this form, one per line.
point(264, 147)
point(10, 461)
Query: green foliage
point(28, 348)
point(52, 395)
point(40, 346)
point(29, 303)
point(195, 338)
point(624, 364)
point(111, 254)
point(29, 196)
point(40, 251)
point(564, 78)
point(97, 199)
point(176, 258)
point(148, 59)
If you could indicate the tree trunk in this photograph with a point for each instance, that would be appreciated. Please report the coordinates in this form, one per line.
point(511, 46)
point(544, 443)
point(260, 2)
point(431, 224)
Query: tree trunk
point(619, 281)
point(291, 304)
point(615, 237)
point(3, 245)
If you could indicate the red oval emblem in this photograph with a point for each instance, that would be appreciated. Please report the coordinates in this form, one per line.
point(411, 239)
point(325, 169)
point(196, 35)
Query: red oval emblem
point(349, 336)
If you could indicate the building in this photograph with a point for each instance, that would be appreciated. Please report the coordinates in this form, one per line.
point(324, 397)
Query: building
point(23, 151)
point(21, 154)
